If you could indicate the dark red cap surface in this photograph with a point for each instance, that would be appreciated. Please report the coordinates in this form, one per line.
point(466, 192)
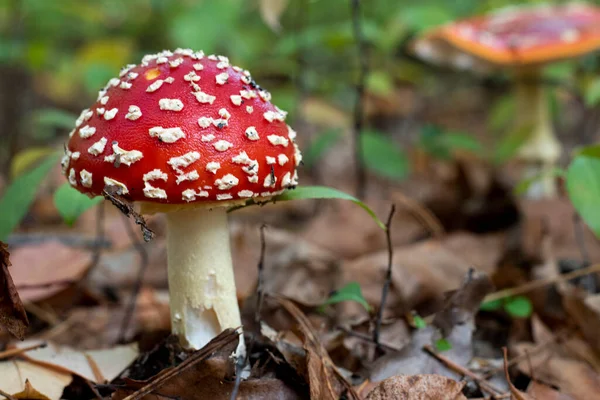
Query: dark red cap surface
point(182, 127)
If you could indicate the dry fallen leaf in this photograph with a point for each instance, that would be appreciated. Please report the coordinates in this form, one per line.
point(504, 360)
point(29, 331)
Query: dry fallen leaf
point(94, 365)
point(29, 393)
point(12, 314)
point(539, 391)
point(418, 387)
point(49, 267)
point(15, 374)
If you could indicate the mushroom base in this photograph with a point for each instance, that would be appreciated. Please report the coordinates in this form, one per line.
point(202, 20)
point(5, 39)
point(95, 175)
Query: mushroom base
point(202, 291)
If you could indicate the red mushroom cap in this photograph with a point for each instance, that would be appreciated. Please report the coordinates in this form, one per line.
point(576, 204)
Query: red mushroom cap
point(182, 127)
point(519, 36)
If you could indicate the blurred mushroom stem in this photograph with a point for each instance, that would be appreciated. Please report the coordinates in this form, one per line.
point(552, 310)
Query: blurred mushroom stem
point(202, 292)
point(541, 152)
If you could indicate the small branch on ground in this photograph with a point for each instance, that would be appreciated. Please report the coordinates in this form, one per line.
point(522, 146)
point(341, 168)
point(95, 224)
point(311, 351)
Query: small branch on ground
point(20, 350)
point(126, 208)
point(366, 338)
point(388, 279)
point(361, 177)
point(217, 343)
point(516, 393)
point(139, 246)
point(483, 384)
point(540, 283)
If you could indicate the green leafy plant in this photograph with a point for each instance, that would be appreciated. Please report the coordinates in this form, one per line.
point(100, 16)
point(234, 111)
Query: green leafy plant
point(443, 345)
point(515, 306)
point(71, 203)
point(583, 185)
point(319, 147)
point(383, 156)
point(20, 194)
point(350, 292)
point(442, 145)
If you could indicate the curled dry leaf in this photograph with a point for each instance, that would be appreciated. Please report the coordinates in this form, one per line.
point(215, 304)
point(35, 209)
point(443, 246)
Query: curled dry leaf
point(29, 393)
point(44, 269)
point(325, 380)
point(12, 314)
point(418, 387)
point(16, 374)
point(95, 365)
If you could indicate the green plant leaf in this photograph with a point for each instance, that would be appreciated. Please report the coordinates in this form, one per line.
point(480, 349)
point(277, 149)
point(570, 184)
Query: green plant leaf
point(510, 144)
point(502, 113)
point(383, 156)
point(518, 306)
point(443, 345)
point(323, 192)
point(350, 292)
point(523, 185)
point(592, 93)
point(71, 203)
point(320, 146)
point(419, 321)
point(583, 187)
point(493, 305)
point(53, 118)
point(424, 16)
point(442, 144)
point(19, 195)
point(590, 151)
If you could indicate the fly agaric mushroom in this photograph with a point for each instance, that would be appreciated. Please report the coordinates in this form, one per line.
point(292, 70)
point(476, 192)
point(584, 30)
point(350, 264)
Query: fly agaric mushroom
point(521, 39)
point(188, 135)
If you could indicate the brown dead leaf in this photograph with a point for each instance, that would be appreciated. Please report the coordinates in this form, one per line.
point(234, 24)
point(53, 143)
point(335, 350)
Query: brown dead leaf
point(573, 377)
point(44, 269)
point(325, 380)
point(539, 391)
point(424, 271)
point(15, 374)
point(585, 311)
point(93, 365)
point(29, 393)
point(12, 314)
point(463, 303)
point(418, 387)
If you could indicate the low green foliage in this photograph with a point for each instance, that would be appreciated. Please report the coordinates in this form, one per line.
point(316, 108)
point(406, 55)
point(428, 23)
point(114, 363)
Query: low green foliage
point(419, 321)
point(19, 195)
point(443, 345)
point(583, 186)
point(523, 186)
point(322, 192)
point(515, 306)
point(350, 292)
point(71, 203)
point(383, 156)
point(442, 144)
point(319, 147)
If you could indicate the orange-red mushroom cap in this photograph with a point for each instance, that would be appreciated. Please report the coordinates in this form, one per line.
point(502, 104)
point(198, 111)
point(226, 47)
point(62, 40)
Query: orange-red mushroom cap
point(516, 36)
point(182, 127)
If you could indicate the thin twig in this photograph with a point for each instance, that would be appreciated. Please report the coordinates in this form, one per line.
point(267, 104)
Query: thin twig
point(260, 289)
point(459, 369)
point(20, 350)
point(540, 283)
point(99, 239)
point(388, 278)
point(139, 246)
point(7, 395)
point(366, 338)
point(239, 366)
point(361, 177)
point(513, 390)
point(64, 282)
point(220, 341)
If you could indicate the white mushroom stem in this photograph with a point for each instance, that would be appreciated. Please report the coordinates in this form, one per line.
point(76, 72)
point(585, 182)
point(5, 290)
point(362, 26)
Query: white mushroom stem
point(201, 282)
point(542, 150)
